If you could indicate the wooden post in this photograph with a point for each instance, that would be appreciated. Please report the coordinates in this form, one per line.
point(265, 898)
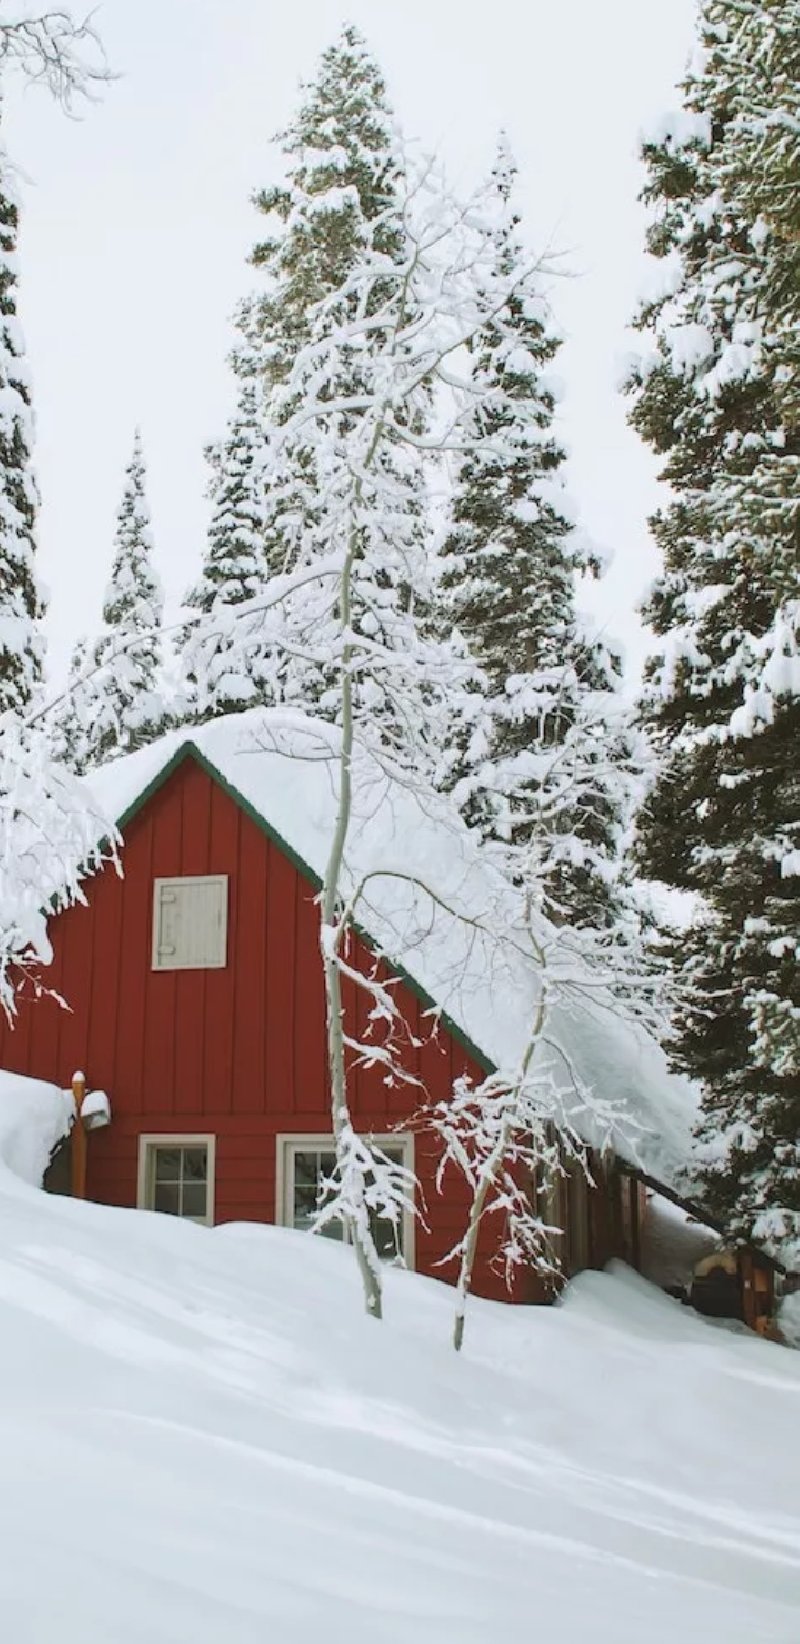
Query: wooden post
point(79, 1139)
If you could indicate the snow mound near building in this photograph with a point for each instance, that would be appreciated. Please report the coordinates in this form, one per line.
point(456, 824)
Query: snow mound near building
point(34, 1117)
point(203, 1438)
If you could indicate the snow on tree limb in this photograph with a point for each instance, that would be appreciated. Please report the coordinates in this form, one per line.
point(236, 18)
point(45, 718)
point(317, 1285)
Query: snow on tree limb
point(51, 836)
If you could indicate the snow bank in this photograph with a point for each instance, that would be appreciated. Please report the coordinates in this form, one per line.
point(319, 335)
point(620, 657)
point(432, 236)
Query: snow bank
point(789, 1318)
point(281, 765)
point(33, 1118)
point(203, 1438)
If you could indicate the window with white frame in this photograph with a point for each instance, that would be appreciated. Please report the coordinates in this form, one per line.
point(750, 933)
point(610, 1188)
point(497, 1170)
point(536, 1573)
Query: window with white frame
point(306, 1165)
point(176, 1176)
point(190, 922)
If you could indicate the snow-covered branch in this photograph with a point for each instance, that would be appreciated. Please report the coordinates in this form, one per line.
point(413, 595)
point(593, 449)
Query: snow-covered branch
point(50, 836)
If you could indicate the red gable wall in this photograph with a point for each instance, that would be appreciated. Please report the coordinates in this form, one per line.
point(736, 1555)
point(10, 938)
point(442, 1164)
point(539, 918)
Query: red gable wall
point(239, 1052)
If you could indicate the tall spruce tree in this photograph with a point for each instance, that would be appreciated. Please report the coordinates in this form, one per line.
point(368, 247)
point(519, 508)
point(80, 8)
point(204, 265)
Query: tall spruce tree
point(21, 649)
point(542, 768)
point(115, 698)
point(339, 194)
point(717, 396)
point(342, 173)
point(340, 198)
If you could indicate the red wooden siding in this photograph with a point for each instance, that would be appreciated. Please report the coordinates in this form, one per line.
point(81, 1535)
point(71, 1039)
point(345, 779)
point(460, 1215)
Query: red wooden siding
point(238, 1052)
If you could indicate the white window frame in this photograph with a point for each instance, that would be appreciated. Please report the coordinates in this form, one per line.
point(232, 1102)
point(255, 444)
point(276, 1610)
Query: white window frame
point(158, 961)
point(290, 1142)
point(180, 1138)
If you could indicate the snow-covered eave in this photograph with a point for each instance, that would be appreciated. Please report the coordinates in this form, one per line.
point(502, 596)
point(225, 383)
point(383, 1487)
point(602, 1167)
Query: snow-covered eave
point(699, 1214)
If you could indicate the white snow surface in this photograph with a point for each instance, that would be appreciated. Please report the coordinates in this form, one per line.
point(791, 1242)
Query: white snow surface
point(34, 1117)
point(280, 763)
point(205, 1439)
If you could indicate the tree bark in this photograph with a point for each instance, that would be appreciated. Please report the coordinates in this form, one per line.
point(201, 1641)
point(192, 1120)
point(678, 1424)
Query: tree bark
point(493, 1164)
point(367, 1264)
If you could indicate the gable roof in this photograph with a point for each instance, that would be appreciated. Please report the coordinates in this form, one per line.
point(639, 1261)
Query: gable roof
point(279, 767)
point(189, 750)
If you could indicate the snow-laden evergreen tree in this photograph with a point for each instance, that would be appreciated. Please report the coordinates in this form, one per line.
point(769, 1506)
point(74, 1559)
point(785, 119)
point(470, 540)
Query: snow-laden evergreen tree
point(234, 567)
point(342, 172)
point(21, 648)
point(50, 835)
point(339, 195)
point(115, 699)
point(717, 397)
point(545, 764)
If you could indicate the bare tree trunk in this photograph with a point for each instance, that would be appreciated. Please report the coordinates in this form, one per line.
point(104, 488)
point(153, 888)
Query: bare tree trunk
point(365, 1256)
point(469, 1252)
point(493, 1163)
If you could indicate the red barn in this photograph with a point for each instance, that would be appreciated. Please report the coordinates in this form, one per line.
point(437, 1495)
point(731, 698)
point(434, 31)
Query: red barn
point(195, 996)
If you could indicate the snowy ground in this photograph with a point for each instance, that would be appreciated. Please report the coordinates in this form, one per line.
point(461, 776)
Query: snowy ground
point(203, 1440)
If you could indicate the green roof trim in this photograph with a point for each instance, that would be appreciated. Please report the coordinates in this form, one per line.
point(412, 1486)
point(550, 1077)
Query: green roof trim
point(190, 750)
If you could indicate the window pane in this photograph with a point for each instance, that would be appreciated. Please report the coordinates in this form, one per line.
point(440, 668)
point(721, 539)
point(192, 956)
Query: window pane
point(194, 1199)
point(311, 1169)
point(195, 1164)
point(165, 1198)
point(305, 1205)
point(306, 1166)
point(168, 1164)
point(326, 1165)
point(388, 1238)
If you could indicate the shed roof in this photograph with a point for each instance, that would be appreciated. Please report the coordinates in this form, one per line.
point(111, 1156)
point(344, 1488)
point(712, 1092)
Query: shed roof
point(280, 767)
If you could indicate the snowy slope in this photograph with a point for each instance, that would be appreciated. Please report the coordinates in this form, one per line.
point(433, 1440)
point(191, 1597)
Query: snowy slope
point(486, 979)
point(204, 1441)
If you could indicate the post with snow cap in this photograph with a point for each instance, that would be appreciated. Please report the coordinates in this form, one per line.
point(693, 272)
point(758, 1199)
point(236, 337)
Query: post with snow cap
point(79, 1139)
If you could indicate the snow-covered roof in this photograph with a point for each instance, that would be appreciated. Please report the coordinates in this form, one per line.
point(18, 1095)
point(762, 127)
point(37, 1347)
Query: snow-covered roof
point(445, 937)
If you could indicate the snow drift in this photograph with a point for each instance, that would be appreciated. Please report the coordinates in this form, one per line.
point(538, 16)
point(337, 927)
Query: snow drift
point(204, 1438)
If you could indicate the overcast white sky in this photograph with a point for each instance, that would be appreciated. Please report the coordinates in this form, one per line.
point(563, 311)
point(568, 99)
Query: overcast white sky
point(137, 224)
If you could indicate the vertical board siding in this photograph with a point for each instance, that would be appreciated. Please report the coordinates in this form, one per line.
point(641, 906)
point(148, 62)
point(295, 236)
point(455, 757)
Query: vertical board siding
point(282, 888)
point(190, 985)
point(75, 960)
point(251, 917)
point(241, 1051)
point(310, 1033)
point(129, 1063)
point(216, 1025)
point(158, 1085)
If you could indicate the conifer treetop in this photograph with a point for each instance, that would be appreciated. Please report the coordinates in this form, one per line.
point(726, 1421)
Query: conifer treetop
point(342, 172)
point(134, 597)
point(117, 696)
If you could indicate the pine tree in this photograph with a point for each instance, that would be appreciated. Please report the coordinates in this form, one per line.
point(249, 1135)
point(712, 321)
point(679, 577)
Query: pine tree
point(535, 770)
point(234, 568)
point(342, 174)
point(115, 695)
point(340, 194)
point(21, 648)
point(717, 397)
point(341, 199)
